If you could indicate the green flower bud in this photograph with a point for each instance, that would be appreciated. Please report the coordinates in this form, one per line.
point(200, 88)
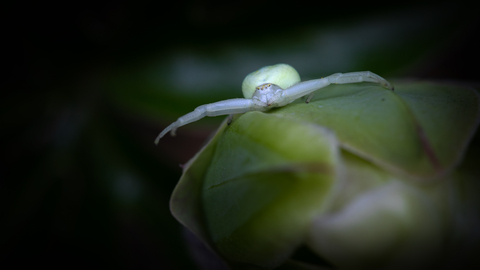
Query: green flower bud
point(363, 176)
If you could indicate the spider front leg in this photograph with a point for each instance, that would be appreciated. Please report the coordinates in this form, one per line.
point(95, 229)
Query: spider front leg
point(230, 106)
point(308, 87)
point(356, 77)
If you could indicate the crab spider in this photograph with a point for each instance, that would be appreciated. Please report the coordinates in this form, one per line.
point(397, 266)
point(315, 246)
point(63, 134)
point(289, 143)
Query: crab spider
point(270, 87)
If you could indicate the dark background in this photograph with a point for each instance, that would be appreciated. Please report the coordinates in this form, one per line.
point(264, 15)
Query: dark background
point(89, 84)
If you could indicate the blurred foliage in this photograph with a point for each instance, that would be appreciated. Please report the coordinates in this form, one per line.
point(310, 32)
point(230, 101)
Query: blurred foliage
point(92, 83)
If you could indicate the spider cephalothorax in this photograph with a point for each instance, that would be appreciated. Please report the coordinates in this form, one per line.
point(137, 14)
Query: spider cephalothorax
point(266, 94)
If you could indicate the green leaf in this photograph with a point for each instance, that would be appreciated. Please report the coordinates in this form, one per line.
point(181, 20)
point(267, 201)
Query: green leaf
point(185, 203)
point(448, 116)
point(259, 195)
point(420, 129)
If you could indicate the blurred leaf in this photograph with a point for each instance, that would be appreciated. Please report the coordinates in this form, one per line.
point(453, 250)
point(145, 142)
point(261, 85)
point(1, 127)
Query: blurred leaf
point(379, 220)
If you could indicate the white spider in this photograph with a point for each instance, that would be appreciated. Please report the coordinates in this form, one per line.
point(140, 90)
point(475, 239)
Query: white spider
point(270, 87)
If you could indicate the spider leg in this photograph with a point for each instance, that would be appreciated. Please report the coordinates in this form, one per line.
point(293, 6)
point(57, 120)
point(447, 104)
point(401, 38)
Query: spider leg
point(309, 97)
point(302, 89)
point(229, 119)
point(229, 106)
point(308, 87)
point(356, 77)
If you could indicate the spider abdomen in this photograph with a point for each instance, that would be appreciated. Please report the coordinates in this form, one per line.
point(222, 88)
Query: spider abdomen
point(282, 75)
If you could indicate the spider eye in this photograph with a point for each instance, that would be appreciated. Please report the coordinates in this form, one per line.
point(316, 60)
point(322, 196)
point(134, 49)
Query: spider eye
point(282, 75)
